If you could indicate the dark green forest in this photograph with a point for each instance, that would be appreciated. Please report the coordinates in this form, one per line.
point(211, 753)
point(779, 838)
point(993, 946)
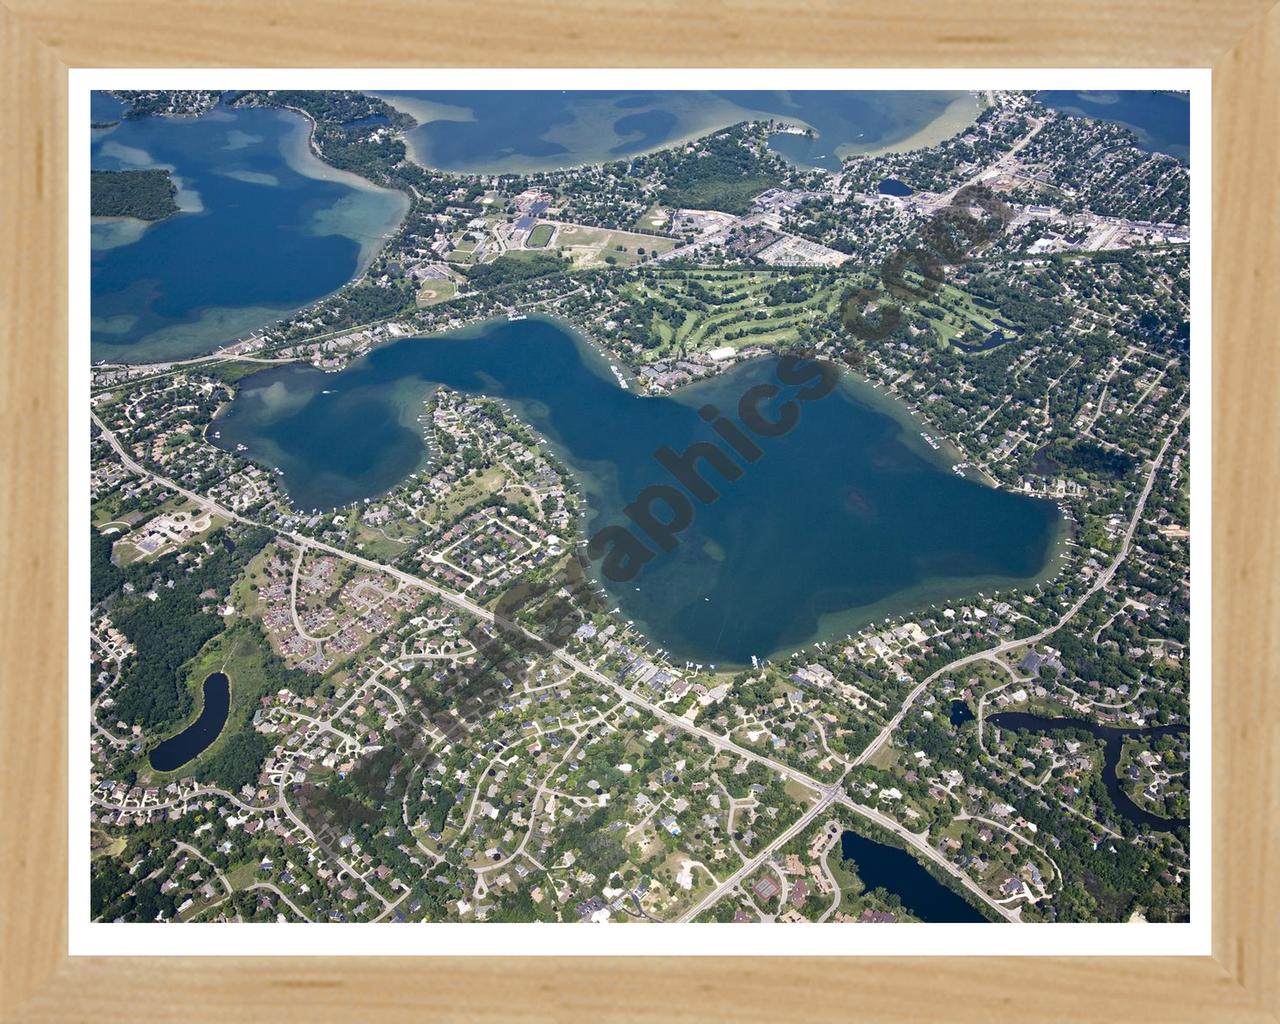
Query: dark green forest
point(1090, 458)
point(146, 195)
point(169, 628)
point(511, 269)
point(727, 178)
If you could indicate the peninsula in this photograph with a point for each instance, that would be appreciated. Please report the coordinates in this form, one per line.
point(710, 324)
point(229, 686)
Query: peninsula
point(734, 526)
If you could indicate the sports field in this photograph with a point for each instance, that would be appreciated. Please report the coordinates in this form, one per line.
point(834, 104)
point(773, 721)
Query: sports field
point(539, 236)
point(434, 291)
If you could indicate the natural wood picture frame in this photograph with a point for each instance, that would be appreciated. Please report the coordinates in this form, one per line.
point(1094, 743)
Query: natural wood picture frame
point(42, 39)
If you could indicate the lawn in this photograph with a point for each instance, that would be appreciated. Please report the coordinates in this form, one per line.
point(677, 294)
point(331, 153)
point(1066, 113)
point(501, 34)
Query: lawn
point(243, 875)
point(462, 252)
point(372, 542)
point(244, 593)
point(798, 791)
point(885, 758)
point(106, 512)
point(951, 310)
point(470, 492)
point(700, 310)
point(231, 370)
point(126, 552)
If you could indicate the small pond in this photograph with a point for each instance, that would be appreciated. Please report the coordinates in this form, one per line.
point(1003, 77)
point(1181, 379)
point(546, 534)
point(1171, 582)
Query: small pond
point(177, 750)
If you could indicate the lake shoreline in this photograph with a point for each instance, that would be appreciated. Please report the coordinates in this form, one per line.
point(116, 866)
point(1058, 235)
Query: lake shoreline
point(313, 442)
point(309, 161)
point(203, 328)
point(722, 113)
point(959, 115)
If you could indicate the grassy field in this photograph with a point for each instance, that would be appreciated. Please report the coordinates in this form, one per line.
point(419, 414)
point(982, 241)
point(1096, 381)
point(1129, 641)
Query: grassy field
point(798, 791)
point(591, 247)
point(885, 758)
point(231, 370)
point(435, 291)
point(244, 593)
point(243, 875)
point(387, 542)
point(521, 254)
point(539, 236)
point(106, 511)
point(471, 492)
point(685, 322)
point(462, 251)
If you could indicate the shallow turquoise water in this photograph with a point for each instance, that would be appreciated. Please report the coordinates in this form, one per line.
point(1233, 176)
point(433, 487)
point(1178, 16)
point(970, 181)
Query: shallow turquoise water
point(520, 131)
point(259, 236)
point(844, 519)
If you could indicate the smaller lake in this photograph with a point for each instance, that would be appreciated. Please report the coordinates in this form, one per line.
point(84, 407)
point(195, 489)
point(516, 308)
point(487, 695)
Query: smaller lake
point(993, 340)
point(177, 750)
point(1113, 738)
point(1160, 120)
point(886, 867)
point(894, 187)
point(960, 712)
point(368, 121)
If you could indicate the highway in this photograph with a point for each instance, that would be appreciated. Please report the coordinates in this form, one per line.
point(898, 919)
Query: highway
point(827, 793)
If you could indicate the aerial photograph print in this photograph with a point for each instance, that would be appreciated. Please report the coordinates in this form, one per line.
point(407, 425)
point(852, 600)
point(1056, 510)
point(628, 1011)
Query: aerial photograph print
point(635, 507)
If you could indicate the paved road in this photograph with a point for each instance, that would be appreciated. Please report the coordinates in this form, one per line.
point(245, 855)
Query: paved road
point(917, 841)
point(828, 794)
point(285, 899)
point(129, 463)
point(293, 604)
point(194, 795)
point(1102, 579)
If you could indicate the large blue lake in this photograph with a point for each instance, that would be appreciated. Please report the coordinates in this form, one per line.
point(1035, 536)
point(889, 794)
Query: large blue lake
point(844, 519)
point(490, 132)
point(1160, 120)
point(265, 228)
